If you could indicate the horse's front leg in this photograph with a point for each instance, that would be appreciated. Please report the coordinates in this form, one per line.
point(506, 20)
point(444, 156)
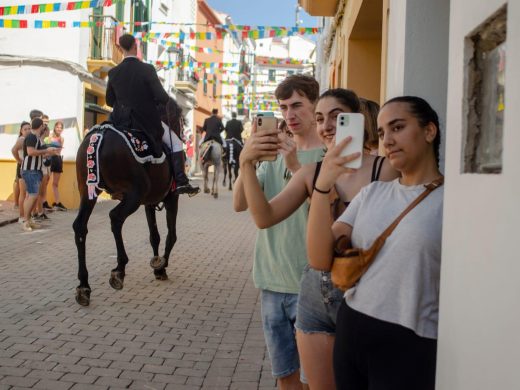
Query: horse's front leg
point(225, 174)
point(231, 168)
point(171, 204)
point(80, 236)
point(206, 174)
point(118, 216)
point(214, 187)
point(156, 262)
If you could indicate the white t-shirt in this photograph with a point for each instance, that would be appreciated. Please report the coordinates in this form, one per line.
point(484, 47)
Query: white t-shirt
point(402, 284)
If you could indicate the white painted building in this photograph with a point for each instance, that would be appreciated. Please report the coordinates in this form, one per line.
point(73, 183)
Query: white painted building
point(266, 75)
point(178, 81)
point(44, 69)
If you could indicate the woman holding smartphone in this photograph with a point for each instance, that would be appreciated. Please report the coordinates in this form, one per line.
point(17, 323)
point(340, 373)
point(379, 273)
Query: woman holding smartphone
point(318, 299)
point(387, 324)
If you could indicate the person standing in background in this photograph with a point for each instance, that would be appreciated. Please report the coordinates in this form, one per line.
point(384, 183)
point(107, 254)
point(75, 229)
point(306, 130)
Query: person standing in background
point(56, 140)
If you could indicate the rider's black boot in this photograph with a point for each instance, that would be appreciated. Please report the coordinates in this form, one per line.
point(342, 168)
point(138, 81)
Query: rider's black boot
point(183, 185)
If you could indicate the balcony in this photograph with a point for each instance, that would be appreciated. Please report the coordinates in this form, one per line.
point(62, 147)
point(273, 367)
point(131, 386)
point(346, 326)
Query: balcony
point(320, 7)
point(104, 54)
point(187, 80)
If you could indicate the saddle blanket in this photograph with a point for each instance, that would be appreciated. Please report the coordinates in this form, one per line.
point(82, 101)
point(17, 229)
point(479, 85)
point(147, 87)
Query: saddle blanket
point(205, 148)
point(137, 143)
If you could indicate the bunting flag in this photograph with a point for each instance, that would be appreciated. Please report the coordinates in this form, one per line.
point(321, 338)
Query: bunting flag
point(279, 61)
point(53, 7)
point(264, 95)
point(261, 32)
point(178, 45)
point(259, 106)
point(194, 64)
point(237, 27)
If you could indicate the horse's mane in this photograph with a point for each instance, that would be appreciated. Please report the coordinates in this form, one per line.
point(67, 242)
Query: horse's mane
point(171, 114)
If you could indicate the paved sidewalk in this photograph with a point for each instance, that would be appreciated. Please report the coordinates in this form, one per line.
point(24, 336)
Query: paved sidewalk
point(8, 214)
point(199, 329)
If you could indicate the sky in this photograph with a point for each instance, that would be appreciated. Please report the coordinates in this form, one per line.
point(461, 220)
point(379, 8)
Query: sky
point(263, 12)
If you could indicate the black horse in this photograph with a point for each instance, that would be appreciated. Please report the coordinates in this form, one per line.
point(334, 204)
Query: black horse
point(230, 160)
point(134, 184)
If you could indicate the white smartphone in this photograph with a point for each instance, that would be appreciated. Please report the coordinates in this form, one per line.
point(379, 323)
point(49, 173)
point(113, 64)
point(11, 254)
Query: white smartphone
point(351, 124)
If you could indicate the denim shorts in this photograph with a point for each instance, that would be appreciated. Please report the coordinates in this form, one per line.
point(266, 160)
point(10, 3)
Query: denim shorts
point(318, 304)
point(278, 317)
point(32, 179)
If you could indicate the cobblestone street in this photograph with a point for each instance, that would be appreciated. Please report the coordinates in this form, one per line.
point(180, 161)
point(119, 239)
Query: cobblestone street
point(199, 329)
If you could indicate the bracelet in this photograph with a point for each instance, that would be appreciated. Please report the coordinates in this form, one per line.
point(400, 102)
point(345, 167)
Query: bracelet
point(321, 191)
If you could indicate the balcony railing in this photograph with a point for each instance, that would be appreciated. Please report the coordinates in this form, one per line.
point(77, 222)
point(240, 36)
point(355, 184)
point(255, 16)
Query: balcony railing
point(104, 34)
point(187, 80)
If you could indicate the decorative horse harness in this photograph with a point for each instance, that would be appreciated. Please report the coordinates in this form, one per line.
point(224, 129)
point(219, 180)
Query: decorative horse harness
point(137, 142)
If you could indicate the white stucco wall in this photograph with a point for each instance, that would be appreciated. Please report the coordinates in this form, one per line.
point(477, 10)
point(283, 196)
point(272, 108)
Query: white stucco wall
point(58, 93)
point(479, 346)
point(418, 53)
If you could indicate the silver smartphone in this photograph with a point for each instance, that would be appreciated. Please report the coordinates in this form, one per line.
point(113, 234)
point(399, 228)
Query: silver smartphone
point(351, 124)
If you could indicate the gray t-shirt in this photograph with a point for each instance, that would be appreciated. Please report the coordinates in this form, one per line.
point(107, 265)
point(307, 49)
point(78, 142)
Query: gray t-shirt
point(402, 284)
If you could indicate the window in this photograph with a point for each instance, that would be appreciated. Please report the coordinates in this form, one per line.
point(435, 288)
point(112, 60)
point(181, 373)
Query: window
point(205, 84)
point(272, 75)
point(163, 7)
point(214, 85)
point(484, 97)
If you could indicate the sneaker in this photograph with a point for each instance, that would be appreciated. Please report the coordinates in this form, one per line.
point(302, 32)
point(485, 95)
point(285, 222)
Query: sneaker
point(59, 206)
point(21, 220)
point(187, 189)
point(46, 206)
point(26, 227)
point(33, 225)
point(43, 217)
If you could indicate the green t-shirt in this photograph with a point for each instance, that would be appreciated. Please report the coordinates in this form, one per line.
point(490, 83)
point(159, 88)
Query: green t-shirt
point(280, 251)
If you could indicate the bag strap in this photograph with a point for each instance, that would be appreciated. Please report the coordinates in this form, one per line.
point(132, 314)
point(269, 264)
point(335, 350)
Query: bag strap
point(378, 243)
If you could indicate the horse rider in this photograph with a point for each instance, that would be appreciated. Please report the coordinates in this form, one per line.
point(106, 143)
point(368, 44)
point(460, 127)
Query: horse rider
point(234, 128)
point(212, 127)
point(135, 93)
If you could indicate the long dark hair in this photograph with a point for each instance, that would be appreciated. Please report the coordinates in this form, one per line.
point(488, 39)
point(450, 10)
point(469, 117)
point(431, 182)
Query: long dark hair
point(425, 114)
point(346, 97)
point(21, 127)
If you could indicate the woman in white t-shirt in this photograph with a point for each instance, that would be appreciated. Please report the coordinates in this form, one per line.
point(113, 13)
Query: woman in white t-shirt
point(386, 327)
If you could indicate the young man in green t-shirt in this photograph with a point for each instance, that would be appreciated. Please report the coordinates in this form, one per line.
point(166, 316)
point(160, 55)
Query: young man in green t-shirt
point(280, 250)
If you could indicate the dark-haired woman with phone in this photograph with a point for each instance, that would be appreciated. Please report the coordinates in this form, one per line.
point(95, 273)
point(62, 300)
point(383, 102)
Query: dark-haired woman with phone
point(318, 299)
point(387, 323)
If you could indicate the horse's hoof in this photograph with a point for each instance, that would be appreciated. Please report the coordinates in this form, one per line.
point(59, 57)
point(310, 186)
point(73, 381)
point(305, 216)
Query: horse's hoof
point(215, 195)
point(157, 262)
point(160, 274)
point(116, 280)
point(206, 190)
point(83, 296)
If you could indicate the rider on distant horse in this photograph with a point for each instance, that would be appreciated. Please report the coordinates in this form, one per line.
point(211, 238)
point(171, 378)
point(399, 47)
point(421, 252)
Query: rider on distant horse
point(234, 128)
point(135, 93)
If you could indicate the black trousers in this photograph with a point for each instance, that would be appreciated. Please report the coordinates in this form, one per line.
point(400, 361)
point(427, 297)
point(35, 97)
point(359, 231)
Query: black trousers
point(370, 354)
